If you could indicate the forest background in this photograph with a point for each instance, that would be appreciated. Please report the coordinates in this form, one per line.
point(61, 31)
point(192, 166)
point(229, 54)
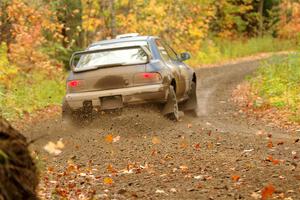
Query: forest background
point(37, 38)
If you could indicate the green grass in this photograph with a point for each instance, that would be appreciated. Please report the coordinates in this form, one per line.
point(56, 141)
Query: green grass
point(30, 92)
point(219, 50)
point(278, 83)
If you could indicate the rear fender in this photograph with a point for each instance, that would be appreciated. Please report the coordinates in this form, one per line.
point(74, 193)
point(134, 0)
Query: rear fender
point(158, 66)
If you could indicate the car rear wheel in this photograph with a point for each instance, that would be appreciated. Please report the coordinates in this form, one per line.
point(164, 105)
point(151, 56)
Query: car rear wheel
point(73, 118)
point(171, 109)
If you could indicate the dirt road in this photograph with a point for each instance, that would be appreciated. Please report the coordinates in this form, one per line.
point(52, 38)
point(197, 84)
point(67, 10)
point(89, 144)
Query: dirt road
point(220, 155)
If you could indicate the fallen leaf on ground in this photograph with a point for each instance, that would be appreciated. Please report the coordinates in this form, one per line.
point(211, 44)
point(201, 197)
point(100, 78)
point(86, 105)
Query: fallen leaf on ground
point(280, 143)
point(199, 177)
point(235, 178)
point(108, 181)
point(154, 152)
point(50, 169)
point(255, 195)
point(111, 169)
point(209, 133)
point(71, 168)
point(109, 138)
point(82, 174)
point(270, 144)
point(267, 192)
point(275, 161)
point(161, 192)
point(197, 146)
point(183, 144)
point(173, 190)
point(156, 140)
point(248, 150)
point(60, 144)
point(259, 133)
point(116, 139)
point(54, 148)
point(184, 168)
point(269, 158)
point(210, 145)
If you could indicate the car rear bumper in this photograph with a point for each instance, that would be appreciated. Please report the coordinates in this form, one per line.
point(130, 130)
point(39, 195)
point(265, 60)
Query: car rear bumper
point(132, 95)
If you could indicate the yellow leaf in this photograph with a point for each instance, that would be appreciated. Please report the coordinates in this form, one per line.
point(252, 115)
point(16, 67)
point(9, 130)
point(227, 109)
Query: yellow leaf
point(108, 181)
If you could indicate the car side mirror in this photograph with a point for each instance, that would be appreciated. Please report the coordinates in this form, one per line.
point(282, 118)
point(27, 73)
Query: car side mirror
point(185, 56)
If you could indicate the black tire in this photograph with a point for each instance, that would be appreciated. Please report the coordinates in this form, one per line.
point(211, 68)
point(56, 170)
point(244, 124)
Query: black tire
point(86, 114)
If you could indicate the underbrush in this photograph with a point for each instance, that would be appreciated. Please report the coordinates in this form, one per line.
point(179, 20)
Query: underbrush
point(26, 91)
point(220, 50)
point(277, 84)
point(30, 92)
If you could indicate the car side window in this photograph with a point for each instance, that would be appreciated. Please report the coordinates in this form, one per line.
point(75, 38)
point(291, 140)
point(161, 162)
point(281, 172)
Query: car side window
point(162, 50)
point(171, 52)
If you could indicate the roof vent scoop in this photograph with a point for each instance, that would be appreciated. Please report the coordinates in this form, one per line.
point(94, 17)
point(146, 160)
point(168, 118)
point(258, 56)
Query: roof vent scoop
point(127, 35)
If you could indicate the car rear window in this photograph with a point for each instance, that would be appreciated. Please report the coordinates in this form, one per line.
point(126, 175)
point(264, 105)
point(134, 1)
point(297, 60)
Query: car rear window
point(110, 57)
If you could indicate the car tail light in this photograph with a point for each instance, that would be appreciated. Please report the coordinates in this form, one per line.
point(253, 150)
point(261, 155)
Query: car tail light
point(147, 77)
point(74, 83)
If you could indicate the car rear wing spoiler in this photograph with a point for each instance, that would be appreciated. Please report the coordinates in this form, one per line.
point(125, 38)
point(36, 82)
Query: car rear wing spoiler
point(146, 50)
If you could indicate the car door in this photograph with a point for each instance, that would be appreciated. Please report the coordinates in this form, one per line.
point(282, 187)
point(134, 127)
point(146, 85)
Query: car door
point(171, 62)
point(172, 66)
point(185, 71)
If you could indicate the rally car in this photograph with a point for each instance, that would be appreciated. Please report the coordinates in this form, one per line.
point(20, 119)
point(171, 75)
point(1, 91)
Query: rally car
point(130, 69)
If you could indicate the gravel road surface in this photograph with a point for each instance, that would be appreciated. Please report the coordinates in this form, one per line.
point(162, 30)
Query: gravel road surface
point(222, 154)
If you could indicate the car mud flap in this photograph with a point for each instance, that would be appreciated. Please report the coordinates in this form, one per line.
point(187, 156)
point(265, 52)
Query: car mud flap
point(171, 107)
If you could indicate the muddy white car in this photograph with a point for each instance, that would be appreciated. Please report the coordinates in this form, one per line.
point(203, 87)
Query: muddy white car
point(130, 69)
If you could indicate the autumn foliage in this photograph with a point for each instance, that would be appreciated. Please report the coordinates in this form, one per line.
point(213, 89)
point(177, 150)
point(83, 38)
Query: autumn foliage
point(289, 19)
point(39, 34)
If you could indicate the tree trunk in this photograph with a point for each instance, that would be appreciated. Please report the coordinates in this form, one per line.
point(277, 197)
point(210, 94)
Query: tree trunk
point(5, 24)
point(261, 17)
point(18, 174)
point(112, 18)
